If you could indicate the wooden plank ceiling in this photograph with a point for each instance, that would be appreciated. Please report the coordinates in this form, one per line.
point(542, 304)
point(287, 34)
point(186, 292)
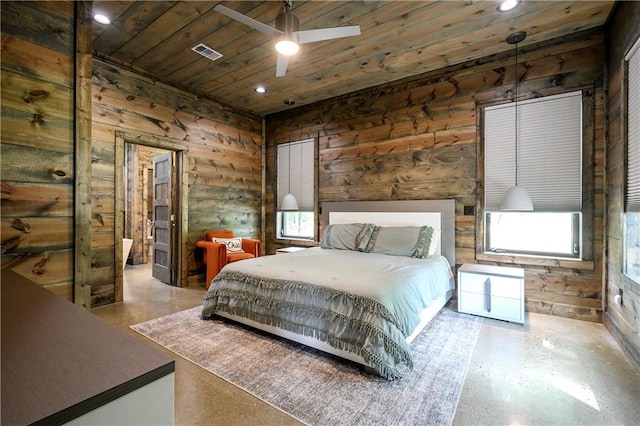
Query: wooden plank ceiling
point(399, 39)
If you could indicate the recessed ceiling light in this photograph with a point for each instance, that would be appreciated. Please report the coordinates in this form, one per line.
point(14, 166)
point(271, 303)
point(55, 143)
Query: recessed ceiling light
point(507, 5)
point(261, 89)
point(101, 18)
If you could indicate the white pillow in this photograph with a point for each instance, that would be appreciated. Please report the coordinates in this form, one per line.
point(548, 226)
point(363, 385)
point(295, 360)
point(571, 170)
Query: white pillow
point(234, 245)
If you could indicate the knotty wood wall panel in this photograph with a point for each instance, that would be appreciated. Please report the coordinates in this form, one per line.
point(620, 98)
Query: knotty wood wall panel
point(36, 234)
point(37, 142)
point(49, 268)
point(419, 139)
point(623, 321)
point(30, 164)
point(224, 158)
point(29, 129)
point(50, 100)
point(102, 213)
point(102, 216)
point(155, 93)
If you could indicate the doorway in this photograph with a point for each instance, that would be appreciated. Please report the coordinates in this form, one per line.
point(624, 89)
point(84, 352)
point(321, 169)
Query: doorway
point(149, 219)
point(150, 208)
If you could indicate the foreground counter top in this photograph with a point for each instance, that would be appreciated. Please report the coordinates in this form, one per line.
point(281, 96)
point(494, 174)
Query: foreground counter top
point(62, 364)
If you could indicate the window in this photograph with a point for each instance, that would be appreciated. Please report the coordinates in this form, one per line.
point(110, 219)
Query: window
point(532, 233)
point(631, 250)
point(296, 176)
point(296, 225)
point(549, 167)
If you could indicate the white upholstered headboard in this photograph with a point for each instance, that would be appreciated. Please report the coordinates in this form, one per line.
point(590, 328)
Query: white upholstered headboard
point(440, 214)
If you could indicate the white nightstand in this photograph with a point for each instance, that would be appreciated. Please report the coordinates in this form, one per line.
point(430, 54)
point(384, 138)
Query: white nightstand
point(491, 291)
point(289, 250)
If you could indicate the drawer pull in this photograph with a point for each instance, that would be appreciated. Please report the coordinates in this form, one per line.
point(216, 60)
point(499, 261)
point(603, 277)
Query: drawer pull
point(487, 292)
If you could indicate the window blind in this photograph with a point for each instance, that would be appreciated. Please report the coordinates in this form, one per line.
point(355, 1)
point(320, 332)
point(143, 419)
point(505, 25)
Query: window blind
point(633, 130)
point(296, 173)
point(549, 160)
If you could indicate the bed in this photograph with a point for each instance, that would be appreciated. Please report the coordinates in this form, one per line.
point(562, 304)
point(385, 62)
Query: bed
point(363, 295)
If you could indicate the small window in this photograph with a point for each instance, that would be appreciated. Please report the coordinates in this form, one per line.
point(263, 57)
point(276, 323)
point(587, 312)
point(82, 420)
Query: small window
point(296, 225)
point(296, 176)
point(631, 248)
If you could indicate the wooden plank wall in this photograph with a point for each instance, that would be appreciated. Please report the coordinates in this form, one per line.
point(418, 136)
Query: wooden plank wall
point(37, 163)
point(623, 321)
point(224, 146)
point(418, 139)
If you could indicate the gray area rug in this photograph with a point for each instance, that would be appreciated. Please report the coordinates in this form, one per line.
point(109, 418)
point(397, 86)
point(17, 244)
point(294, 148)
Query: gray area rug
point(320, 389)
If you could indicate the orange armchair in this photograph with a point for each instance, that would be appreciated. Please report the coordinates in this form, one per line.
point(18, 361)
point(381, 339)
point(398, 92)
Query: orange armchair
point(216, 254)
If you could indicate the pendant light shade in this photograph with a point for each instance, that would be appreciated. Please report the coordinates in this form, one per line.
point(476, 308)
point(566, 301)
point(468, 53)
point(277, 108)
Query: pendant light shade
point(289, 202)
point(516, 198)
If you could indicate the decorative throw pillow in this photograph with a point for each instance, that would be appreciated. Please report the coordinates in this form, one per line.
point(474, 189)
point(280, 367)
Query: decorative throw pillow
point(234, 245)
point(348, 236)
point(435, 243)
point(411, 241)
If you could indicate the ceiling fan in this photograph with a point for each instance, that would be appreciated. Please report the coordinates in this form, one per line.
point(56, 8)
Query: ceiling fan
point(286, 33)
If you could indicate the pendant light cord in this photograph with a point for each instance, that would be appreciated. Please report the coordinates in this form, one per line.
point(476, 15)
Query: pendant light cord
point(516, 38)
point(289, 102)
point(289, 173)
point(517, 114)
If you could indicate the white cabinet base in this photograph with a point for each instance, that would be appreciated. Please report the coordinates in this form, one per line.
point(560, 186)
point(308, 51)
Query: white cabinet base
point(150, 405)
point(491, 291)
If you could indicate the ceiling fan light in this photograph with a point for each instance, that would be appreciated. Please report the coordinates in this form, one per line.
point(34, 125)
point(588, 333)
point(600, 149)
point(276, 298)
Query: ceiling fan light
point(103, 19)
point(287, 47)
point(507, 5)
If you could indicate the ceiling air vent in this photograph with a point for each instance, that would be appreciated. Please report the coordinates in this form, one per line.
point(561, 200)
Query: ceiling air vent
point(207, 52)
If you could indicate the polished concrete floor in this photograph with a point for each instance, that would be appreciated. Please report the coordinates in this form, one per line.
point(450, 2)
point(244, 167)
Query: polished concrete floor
point(551, 371)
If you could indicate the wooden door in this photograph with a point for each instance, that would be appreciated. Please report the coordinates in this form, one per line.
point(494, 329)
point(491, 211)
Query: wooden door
point(163, 218)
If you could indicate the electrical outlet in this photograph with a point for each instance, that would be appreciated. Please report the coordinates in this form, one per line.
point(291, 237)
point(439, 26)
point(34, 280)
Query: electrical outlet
point(621, 293)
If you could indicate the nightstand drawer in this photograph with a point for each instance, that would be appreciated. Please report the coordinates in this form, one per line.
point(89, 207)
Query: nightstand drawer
point(491, 291)
point(491, 284)
point(491, 306)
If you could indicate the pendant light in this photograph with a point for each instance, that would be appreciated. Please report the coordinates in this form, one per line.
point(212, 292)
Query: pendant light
point(516, 198)
point(289, 202)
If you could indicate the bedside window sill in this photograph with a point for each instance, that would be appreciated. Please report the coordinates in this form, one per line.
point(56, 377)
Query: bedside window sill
point(536, 261)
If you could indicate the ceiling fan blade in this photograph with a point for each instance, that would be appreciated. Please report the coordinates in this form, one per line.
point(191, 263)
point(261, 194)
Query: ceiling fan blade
point(309, 36)
point(281, 65)
point(247, 21)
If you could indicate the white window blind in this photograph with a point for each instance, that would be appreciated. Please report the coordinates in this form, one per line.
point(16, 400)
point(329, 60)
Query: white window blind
point(549, 152)
point(633, 130)
point(296, 173)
